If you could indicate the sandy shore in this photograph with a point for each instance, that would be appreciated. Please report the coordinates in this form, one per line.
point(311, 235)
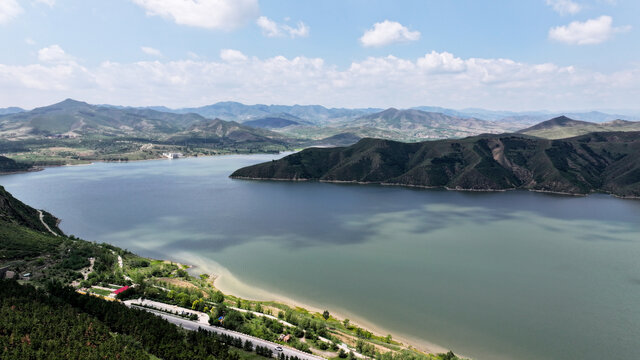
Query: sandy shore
point(229, 284)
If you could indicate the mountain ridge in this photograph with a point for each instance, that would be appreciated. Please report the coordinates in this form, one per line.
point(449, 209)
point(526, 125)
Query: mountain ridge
point(597, 162)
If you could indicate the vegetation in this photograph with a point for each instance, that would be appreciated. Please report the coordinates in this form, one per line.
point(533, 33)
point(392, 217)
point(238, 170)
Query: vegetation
point(598, 162)
point(73, 132)
point(9, 165)
point(564, 127)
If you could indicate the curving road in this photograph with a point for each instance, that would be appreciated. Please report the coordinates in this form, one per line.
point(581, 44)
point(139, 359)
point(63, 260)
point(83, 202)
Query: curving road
point(193, 325)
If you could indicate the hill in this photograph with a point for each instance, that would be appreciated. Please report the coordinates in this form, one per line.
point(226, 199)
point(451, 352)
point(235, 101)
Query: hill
point(316, 114)
point(597, 162)
point(8, 165)
point(271, 123)
point(14, 211)
point(420, 125)
point(74, 132)
point(564, 127)
point(10, 110)
point(75, 118)
point(228, 133)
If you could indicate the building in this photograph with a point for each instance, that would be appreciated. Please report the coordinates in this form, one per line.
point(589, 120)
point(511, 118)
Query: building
point(172, 155)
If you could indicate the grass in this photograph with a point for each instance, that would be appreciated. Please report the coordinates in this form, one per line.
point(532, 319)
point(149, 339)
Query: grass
point(100, 292)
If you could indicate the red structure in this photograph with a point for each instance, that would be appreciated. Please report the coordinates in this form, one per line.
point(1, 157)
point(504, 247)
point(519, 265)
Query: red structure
point(124, 288)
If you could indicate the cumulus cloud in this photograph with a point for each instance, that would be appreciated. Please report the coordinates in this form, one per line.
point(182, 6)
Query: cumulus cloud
point(439, 78)
point(564, 7)
point(231, 55)
point(388, 32)
point(150, 51)
point(210, 14)
point(271, 28)
point(54, 54)
point(593, 31)
point(9, 9)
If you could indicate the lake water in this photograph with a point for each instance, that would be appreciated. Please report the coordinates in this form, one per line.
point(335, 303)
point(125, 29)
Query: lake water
point(513, 275)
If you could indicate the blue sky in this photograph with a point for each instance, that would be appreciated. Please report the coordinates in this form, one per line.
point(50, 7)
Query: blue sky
point(514, 55)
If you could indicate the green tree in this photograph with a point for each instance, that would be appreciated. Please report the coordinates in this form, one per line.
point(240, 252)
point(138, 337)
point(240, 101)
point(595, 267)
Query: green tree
point(218, 297)
point(326, 315)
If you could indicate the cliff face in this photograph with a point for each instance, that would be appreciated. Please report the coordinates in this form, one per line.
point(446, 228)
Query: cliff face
point(597, 162)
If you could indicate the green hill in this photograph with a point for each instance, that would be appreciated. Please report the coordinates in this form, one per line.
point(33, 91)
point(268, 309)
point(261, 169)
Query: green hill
point(9, 165)
point(564, 127)
point(597, 162)
point(72, 132)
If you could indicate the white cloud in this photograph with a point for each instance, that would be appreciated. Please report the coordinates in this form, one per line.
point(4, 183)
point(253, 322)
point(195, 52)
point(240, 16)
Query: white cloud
point(388, 32)
point(593, 31)
point(29, 41)
point(271, 28)
point(9, 9)
point(54, 54)
point(231, 55)
point(564, 7)
point(50, 3)
point(437, 78)
point(150, 51)
point(210, 14)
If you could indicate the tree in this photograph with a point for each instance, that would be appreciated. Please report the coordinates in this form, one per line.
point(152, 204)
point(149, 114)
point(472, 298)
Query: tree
point(345, 322)
point(342, 354)
point(248, 346)
point(218, 297)
point(325, 315)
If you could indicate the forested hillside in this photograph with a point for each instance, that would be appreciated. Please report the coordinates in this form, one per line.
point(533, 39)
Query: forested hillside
point(598, 162)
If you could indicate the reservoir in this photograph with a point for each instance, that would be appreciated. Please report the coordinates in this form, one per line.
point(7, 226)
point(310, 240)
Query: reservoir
point(510, 275)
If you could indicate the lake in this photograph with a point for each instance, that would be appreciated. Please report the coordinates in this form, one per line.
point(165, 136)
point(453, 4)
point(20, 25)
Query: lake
point(513, 275)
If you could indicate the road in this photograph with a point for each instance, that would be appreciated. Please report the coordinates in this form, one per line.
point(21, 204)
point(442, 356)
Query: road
point(121, 265)
point(45, 224)
point(192, 325)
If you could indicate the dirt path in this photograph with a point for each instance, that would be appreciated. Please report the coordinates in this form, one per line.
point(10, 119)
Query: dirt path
point(45, 224)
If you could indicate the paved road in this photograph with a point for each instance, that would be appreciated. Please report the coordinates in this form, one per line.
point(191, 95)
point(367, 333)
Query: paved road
point(192, 325)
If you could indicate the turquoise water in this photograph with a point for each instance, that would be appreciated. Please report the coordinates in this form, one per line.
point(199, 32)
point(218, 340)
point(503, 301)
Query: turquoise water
point(512, 275)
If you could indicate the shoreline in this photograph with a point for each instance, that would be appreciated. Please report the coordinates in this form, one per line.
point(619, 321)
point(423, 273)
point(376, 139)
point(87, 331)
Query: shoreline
point(225, 281)
point(623, 197)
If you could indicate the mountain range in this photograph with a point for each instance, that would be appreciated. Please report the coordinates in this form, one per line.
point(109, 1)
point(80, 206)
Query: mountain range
point(564, 127)
point(606, 162)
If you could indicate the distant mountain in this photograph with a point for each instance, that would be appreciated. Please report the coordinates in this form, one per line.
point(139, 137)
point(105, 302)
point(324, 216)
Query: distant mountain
point(272, 122)
point(564, 127)
point(417, 124)
point(315, 114)
point(342, 139)
point(225, 132)
point(10, 110)
point(72, 132)
point(526, 117)
point(597, 162)
point(75, 118)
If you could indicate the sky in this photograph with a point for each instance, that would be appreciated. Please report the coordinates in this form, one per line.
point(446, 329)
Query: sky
point(499, 54)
